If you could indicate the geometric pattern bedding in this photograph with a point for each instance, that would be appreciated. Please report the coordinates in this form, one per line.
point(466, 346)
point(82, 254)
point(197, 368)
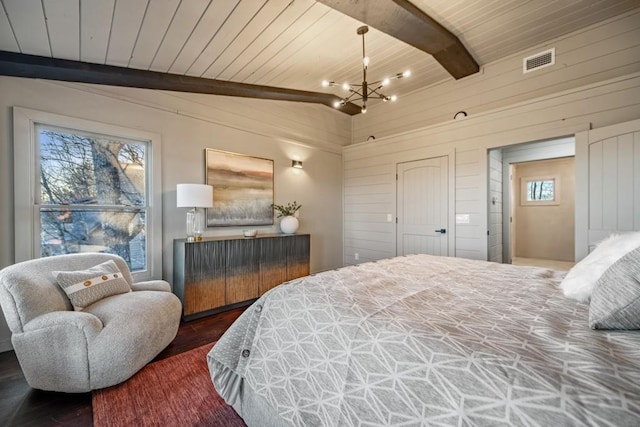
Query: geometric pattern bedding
point(423, 340)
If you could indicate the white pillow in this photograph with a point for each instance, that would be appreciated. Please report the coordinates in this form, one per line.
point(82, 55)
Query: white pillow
point(615, 302)
point(579, 282)
point(85, 287)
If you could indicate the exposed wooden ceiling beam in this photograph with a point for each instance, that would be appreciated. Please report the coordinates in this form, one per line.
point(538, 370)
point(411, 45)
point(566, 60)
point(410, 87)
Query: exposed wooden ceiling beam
point(40, 67)
point(404, 21)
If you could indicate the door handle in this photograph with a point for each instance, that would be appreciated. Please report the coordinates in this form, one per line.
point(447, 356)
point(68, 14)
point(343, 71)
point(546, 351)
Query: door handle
point(441, 231)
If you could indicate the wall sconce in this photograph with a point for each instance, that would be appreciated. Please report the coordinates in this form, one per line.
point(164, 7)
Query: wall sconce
point(296, 164)
point(195, 196)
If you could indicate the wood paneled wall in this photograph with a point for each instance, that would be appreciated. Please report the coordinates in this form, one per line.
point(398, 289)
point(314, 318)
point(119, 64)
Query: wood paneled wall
point(595, 82)
point(369, 176)
point(607, 184)
point(495, 206)
point(596, 53)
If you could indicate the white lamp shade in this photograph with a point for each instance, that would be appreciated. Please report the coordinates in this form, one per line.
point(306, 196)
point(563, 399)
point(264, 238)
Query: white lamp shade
point(194, 196)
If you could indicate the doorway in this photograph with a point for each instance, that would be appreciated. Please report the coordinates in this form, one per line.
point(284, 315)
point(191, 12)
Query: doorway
point(503, 236)
point(543, 212)
point(422, 206)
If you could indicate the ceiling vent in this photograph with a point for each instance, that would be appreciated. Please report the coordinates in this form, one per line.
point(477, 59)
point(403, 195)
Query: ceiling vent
point(539, 60)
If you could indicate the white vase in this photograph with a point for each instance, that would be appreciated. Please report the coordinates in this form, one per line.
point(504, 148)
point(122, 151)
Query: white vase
point(289, 224)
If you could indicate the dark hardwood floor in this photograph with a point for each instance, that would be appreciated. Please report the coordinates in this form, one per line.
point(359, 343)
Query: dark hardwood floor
point(20, 405)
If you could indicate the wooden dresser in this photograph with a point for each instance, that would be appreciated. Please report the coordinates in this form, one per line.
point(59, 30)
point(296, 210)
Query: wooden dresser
point(219, 273)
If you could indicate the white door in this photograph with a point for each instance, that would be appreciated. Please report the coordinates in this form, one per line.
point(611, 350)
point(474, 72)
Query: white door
point(422, 207)
point(607, 183)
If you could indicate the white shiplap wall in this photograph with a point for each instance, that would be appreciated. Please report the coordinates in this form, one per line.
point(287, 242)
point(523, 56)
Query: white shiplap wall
point(602, 51)
point(595, 82)
point(367, 202)
point(470, 165)
point(468, 142)
point(607, 183)
point(495, 205)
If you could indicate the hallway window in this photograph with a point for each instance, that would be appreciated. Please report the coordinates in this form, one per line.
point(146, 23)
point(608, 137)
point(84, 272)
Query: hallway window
point(541, 190)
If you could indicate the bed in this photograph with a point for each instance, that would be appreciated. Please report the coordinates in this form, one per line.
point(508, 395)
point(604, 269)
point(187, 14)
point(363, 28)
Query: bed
point(424, 340)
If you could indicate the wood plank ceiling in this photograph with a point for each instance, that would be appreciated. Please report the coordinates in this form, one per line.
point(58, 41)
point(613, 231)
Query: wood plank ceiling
point(292, 44)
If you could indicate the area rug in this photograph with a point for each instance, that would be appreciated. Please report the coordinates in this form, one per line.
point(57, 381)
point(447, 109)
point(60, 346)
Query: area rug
point(171, 392)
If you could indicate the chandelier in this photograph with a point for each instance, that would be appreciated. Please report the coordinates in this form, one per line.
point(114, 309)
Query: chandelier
point(365, 91)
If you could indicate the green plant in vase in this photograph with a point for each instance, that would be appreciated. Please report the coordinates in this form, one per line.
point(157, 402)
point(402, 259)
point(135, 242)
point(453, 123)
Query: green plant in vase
point(287, 210)
point(289, 223)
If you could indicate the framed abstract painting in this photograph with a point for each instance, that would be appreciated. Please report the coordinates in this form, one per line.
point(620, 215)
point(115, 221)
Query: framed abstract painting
point(242, 189)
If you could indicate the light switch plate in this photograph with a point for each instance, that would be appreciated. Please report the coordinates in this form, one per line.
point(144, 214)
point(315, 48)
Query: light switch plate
point(463, 218)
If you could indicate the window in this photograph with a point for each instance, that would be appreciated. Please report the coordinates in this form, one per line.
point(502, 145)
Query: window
point(92, 194)
point(90, 190)
point(539, 191)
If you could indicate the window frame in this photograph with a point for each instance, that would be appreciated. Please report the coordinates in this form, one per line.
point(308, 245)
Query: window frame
point(525, 180)
point(27, 182)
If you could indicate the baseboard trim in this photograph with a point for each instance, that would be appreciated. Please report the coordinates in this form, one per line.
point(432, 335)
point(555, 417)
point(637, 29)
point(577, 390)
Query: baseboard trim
point(5, 345)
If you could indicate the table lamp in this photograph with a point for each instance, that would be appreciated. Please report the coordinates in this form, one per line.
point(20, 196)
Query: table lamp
point(196, 197)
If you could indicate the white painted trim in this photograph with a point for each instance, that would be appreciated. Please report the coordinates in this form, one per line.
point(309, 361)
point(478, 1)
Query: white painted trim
point(451, 226)
point(24, 165)
point(25, 159)
point(582, 196)
point(484, 212)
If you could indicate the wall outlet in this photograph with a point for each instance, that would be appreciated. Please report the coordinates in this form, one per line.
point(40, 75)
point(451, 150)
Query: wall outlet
point(356, 256)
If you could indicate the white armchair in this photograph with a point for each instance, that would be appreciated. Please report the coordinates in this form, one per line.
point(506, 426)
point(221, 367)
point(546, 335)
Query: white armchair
point(60, 349)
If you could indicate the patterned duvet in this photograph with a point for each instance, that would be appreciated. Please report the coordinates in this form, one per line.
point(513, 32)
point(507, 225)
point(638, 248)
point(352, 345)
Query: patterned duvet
point(422, 340)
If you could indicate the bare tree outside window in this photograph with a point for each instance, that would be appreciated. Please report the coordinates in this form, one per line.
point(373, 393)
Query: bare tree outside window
point(92, 195)
point(540, 190)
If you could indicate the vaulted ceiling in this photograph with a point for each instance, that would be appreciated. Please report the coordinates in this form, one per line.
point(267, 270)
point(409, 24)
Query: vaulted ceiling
point(292, 44)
